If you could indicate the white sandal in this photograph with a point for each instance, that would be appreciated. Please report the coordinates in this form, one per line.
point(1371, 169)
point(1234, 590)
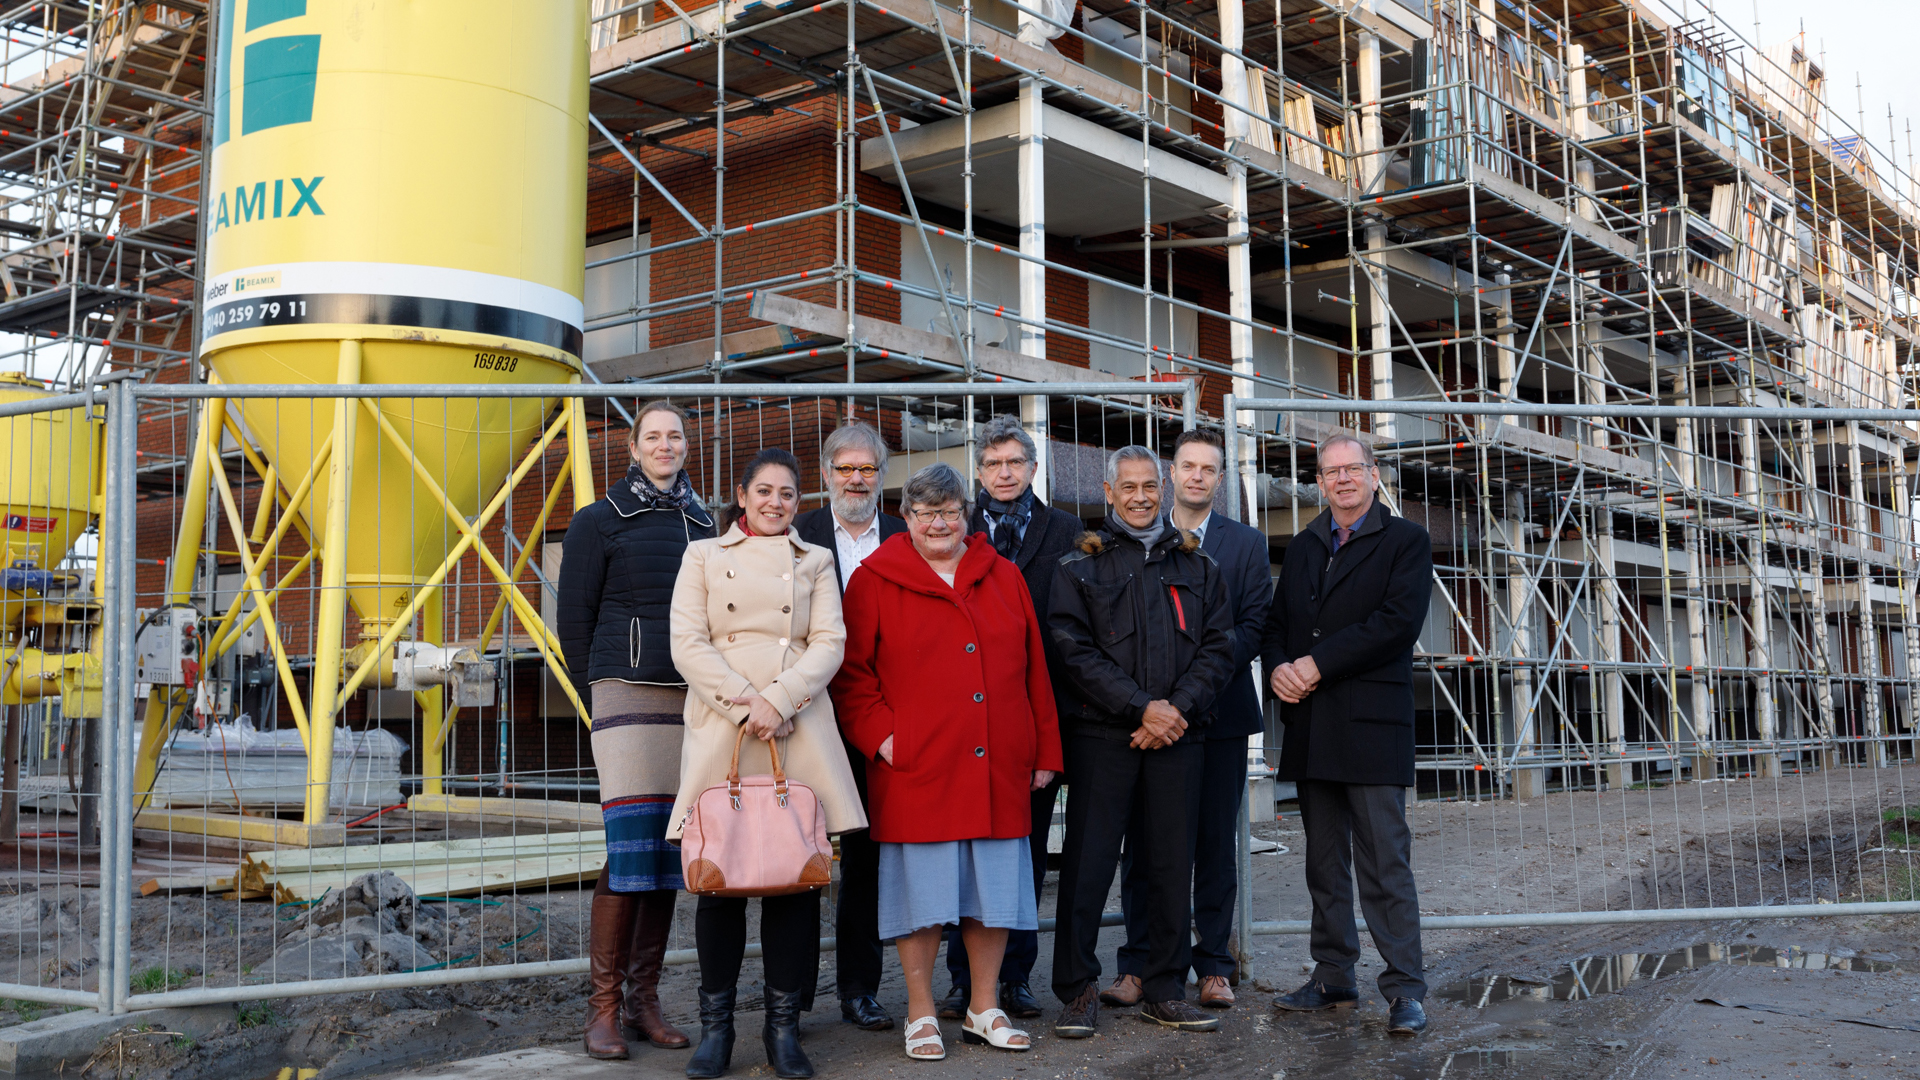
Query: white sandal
point(914, 1043)
point(979, 1029)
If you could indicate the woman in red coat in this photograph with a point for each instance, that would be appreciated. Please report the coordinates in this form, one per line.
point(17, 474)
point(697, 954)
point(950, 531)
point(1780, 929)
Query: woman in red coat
point(944, 689)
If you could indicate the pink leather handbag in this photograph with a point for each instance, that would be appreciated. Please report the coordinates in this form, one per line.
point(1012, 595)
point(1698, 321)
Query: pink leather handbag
point(755, 835)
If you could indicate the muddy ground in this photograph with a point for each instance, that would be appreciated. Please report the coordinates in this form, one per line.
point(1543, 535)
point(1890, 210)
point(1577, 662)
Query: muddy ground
point(1837, 836)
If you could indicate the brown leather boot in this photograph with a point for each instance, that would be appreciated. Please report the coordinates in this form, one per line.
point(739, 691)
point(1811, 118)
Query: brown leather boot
point(652, 923)
point(609, 937)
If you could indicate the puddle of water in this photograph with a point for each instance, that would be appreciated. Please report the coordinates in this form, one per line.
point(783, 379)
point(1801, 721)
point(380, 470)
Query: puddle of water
point(1473, 1059)
point(1591, 976)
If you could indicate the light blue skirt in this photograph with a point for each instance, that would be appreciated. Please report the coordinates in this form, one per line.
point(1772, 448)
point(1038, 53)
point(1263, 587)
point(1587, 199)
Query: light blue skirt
point(925, 885)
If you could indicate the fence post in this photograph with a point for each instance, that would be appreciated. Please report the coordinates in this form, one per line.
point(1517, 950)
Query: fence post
point(115, 564)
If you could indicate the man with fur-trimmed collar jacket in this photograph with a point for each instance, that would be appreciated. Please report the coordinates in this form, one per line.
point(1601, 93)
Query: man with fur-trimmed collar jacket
point(1140, 619)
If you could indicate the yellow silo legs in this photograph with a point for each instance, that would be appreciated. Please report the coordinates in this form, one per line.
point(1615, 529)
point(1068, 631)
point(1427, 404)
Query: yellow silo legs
point(250, 567)
point(437, 740)
point(161, 703)
point(332, 621)
point(579, 452)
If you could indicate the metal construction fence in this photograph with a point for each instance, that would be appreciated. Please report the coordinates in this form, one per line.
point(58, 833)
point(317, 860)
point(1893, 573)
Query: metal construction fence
point(285, 717)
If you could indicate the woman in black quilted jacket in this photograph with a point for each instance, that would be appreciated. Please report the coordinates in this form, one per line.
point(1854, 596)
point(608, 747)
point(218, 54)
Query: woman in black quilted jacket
point(619, 562)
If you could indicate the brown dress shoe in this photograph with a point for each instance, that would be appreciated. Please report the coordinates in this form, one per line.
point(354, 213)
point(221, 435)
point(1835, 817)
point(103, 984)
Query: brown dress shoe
point(1125, 991)
point(652, 923)
point(1215, 993)
point(609, 937)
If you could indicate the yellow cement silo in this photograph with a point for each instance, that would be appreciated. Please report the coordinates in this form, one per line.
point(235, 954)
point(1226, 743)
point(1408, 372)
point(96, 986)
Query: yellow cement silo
point(397, 196)
point(50, 477)
point(48, 485)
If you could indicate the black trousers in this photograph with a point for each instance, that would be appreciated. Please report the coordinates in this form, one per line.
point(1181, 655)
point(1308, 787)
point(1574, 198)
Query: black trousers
point(856, 919)
point(1223, 783)
point(1023, 946)
point(789, 937)
point(1110, 779)
point(1359, 832)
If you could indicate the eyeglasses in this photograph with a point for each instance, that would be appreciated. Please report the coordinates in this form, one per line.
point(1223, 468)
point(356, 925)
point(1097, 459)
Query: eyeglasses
point(1354, 471)
point(1015, 463)
point(867, 472)
point(927, 517)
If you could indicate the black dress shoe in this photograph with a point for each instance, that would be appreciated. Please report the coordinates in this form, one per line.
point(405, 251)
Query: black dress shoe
point(865, 1013)
point(1408, 1017)
point(1017, 1000)
point(954, 1007)
point(1316, 996)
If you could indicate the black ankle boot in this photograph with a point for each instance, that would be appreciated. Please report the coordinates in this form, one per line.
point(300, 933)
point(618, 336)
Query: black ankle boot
point(782, 1036)
point(715, 1052)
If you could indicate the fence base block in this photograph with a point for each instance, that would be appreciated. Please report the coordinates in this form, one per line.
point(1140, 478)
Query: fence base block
point(72, 1039)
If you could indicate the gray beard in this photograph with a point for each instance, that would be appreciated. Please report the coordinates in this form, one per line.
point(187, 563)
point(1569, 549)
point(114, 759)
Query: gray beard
point(855, 509)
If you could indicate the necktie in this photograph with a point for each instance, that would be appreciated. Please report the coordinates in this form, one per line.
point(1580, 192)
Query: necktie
point(1006, 536)
point(1344, 533)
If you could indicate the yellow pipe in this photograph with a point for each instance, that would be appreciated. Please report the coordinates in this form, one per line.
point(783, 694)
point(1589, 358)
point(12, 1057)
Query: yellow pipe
point(186, 552)
point(500, 605)
point(400, 622)
point(536, 628)
point(333, 594)
point(253, 586)
point(287, 503)
point(221, 637)
point(269, 488)
point(579, 453)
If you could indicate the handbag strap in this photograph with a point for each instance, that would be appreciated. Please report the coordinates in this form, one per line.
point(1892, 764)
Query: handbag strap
point(773, 749)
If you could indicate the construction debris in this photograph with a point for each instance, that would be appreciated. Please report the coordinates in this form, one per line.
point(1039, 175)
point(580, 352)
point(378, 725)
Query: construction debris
point(431, 868)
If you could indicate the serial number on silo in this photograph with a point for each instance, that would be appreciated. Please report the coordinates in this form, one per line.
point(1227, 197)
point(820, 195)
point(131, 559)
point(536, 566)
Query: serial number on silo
point(241, 314)
point(487, 361)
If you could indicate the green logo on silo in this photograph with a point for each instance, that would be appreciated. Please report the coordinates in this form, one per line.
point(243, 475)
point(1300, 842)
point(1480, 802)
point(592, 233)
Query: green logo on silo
point(280, 72)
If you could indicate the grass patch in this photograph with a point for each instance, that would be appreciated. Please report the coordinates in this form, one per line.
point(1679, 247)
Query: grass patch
point(1903, 826)
point(158, 980)
point(1903, 884)
point(25, 1010)
point(257, 1014)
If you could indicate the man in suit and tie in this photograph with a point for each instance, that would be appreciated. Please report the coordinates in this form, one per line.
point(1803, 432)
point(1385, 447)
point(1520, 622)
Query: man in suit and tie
point(1199, 462)
point(1352, 597)
point(853, 461)
point(1033, 536)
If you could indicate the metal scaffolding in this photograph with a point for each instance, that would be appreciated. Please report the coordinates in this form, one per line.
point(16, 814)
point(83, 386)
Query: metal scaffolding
point(100, 128)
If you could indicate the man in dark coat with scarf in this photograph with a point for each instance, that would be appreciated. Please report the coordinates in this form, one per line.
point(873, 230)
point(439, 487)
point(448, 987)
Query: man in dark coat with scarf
point(1351, 601)
point(1033, 536)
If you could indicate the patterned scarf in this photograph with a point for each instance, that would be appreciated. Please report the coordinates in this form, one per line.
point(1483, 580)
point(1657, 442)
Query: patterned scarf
point(678, 497)
point(1013, 518)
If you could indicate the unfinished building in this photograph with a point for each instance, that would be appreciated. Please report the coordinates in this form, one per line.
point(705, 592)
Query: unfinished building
point(1588, 203)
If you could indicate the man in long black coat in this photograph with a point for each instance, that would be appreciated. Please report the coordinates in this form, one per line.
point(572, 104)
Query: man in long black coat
point(1352, 597)
point(1034, 536)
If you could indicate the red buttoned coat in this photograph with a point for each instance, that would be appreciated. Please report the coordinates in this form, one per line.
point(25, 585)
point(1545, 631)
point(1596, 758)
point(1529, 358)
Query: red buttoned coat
point(959, 679)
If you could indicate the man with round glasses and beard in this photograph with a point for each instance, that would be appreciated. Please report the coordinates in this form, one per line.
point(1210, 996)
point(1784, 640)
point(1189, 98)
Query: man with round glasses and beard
point(853, 461)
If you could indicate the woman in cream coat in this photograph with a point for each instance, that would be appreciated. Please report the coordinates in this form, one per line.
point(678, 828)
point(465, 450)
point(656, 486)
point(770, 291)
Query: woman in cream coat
point(757, 635)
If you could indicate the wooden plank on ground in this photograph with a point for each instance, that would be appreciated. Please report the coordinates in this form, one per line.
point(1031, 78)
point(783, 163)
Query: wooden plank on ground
point(486, 807)
point(457, 880)
point(241, 827)
point(428, 852)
